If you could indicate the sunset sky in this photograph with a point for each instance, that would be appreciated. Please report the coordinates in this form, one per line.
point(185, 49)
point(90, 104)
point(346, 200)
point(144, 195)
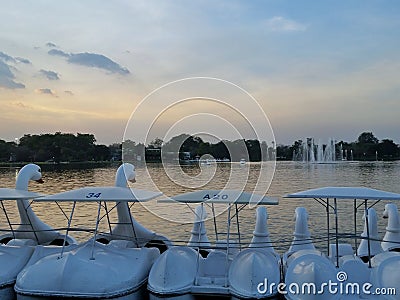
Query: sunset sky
point(317, 68)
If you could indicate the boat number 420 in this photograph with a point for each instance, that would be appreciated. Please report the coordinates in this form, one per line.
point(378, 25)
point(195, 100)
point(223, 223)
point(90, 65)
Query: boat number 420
point(217, 197)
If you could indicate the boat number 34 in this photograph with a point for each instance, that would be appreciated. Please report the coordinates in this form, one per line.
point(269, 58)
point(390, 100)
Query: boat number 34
point(217, 196)
point(93, 195)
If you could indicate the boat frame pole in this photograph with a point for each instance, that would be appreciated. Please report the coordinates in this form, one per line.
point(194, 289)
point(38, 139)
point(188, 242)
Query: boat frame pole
point(215, 221)
point(108, 218)
point(328, 226)
point(238, 226)
point(8, 219)
point(355, 225)
point(227, 244)
point(368, 237)
point(95, 231)
point(336, 233)
point(198, 241)
point(67, 231)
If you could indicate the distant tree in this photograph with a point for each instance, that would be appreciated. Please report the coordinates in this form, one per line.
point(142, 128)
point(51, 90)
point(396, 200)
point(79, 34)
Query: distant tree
point(57, 147)
point(387, 149)
point(254, 150)
point(367, 138)
point(204, 148)
point(366, 146)
point(219, 150)
point(185, 143)
point(101, 153)
point(22, 153)
point(156, 143)
point(283, 152)
point(115, 151)
point(7, 151)
point(237, 149)
point(191, 144)
point(175, 143)
point(140, 149)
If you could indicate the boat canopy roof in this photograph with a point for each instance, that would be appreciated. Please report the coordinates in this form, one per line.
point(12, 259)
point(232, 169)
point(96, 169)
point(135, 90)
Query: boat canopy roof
point(105, 193)
point(346, 193)
point(15, 194)
point(221, 196)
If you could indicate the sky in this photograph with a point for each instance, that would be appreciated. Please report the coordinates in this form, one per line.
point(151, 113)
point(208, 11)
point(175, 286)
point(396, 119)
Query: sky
point(322, 69)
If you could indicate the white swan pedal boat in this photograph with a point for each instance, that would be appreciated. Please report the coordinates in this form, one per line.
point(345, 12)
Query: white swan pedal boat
point(18, 244)
point(225, 269)
point(375, 262)
point(15, 253)
point(118, 269)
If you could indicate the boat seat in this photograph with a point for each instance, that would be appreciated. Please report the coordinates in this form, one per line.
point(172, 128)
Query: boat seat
point(22, 242)
point(121, 244)
point(356, 270)
point(214, 265)
point(344, 249)
point(157, 243)
point(103, 241)
point(58, 242)
point(6, 239)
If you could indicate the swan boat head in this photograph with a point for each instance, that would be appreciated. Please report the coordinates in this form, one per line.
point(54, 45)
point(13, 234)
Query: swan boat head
point(31, 227)
point(127, 227)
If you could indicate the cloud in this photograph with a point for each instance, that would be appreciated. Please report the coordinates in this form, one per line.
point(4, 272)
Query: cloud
point(51, 45)
point(56, 52)
point(7, 78)
point(97, 61)
point(7, 58)
point(70, 93)
point(23, 60)
point(50, 75)
point(46, 91)
point(92, 60)
point(284, 25)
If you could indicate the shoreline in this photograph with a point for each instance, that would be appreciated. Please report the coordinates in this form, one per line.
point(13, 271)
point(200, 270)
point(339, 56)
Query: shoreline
point(63, 165)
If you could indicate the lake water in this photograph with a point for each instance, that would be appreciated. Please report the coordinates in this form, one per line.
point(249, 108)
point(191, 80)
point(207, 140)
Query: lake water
point(172, 220)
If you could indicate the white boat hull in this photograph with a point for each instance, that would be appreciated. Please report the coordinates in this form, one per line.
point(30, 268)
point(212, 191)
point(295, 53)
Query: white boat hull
point(175, 274)
point(84, 272)
point(12, 260)
point(140, 294)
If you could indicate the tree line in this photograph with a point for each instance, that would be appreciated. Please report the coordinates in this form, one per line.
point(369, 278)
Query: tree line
point(56, 148)
point(81, 147)
point(188, 147)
